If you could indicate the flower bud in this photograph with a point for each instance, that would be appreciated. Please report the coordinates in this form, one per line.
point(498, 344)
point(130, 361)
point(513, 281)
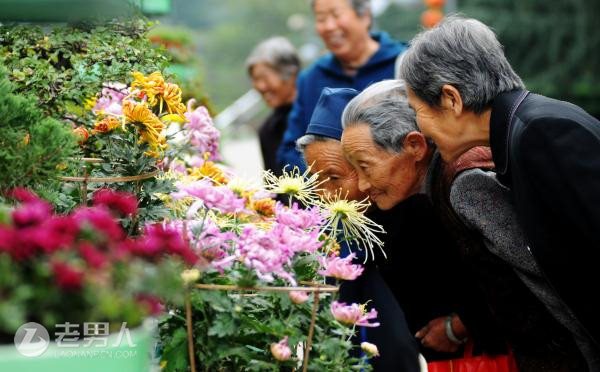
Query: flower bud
point(190, 276)
point(281, 351)
point(370, 349)
point(298, 297)
point(82, 135)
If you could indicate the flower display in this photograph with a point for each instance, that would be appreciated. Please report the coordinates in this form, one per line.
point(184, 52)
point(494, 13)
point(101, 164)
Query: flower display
point(87, 258)
point(246, 239)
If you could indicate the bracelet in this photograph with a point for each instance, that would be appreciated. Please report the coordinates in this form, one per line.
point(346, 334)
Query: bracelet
point(450, 334)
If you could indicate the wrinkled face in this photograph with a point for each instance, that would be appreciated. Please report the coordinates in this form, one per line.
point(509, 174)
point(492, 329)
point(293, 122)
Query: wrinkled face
point(387, 177)
point(327, 159)
point(437, 124)
point(340, 27)
point(275, 90)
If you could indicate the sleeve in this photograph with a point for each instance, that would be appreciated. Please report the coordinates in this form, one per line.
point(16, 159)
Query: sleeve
point(297, 124)
point(486, 206)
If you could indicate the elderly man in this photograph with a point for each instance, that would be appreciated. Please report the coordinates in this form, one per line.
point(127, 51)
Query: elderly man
point(356, 59)
point(323, 152)
point(465, 93)
point(381, 140)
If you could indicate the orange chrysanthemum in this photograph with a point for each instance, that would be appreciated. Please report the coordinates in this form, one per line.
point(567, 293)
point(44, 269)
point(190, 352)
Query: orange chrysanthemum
point(105, 125)
point(264, 207)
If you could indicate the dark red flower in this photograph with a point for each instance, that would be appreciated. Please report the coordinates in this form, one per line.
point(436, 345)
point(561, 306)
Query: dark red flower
point(122, 203)
point(170, 240)
point(92, 256)
point(8, 238)
point(101, 220)
point(66, 276)
point(22, 194)
point(152, 303)
point(31, 213)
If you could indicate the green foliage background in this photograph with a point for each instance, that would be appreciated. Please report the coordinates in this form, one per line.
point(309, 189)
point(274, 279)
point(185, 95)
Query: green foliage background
point(65, 65)
point(553, 45)
point(32, 146)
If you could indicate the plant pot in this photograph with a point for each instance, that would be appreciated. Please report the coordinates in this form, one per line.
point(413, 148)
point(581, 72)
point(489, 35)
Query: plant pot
point(93, 358)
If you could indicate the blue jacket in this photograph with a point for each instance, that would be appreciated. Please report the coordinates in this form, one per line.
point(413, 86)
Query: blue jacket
point(327, 72)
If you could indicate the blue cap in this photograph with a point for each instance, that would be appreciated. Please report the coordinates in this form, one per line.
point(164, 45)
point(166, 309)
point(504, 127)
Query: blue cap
point(326, 119)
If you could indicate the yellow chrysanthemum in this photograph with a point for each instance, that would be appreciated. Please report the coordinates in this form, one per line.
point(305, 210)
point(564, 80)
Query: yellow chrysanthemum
point(348, 215)
point(172, 98)
point(295, 184)
point(149, 125)
point(209, 170)
point(152, 85)
point(89, 103)
point(159, 92)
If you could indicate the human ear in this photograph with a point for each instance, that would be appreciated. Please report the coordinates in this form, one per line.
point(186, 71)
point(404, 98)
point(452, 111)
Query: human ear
point(451, 99)
point(416, 145)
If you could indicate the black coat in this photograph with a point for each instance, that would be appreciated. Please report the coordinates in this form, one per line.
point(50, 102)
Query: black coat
point(423, 267)
point(270, 135)
point(549, 157)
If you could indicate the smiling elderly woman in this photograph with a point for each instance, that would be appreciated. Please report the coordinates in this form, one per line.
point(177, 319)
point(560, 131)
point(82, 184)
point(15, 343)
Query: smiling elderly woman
point(273, 66)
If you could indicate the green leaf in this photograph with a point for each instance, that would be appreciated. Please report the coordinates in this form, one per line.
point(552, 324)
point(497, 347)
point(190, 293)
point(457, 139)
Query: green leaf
point(224, 325)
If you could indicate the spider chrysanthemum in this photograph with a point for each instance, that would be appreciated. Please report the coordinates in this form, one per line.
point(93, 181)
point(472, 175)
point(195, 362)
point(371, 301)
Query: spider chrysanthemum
point(347, 217)
point(301, 186)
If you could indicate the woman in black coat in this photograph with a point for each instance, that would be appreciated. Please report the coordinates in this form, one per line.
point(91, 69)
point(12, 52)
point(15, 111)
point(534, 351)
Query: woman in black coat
point(273, 66)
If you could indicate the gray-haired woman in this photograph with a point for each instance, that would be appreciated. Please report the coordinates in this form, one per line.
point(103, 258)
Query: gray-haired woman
point(466, 94)
point(381, 140)
point(273, 66)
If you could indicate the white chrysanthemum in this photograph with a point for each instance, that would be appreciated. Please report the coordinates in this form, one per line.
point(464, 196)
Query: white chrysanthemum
point(355, 226)
point(301, 186)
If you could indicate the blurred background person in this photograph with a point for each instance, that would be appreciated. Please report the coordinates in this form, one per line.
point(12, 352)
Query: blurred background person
point(322, 151)
point(273, 66)
point(356, 59)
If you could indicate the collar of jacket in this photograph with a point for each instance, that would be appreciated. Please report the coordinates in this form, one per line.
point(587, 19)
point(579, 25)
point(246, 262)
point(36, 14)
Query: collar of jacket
point(388, 49)
point(500, 127)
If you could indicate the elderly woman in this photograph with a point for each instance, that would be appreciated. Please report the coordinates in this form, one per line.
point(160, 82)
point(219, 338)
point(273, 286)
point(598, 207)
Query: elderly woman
point(465, 94)
point(382, 142)
point(423, 301)
point(323, 152)
point(356, 58)
point(273, 66)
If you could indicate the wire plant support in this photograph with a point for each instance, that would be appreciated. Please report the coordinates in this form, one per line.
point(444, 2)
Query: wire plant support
point(315, 288)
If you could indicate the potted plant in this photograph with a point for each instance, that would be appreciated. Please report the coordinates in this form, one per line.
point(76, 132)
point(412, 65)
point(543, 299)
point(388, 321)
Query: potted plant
point(83, 280)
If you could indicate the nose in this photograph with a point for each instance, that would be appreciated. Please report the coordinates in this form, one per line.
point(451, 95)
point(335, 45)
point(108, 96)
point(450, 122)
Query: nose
point(363, 184)
point(327, 24)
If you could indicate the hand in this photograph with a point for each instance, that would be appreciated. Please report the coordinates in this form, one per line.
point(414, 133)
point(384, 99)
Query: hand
point(433, 335)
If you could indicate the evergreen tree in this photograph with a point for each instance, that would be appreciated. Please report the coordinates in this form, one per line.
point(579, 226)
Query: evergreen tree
point(553, 45)
point(33, 147)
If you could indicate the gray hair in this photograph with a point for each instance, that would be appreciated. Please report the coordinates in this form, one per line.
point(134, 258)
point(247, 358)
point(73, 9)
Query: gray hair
point(278, 53)
point(361, 7)
point(309, 139)
point(384, 107)
point(461, 52)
